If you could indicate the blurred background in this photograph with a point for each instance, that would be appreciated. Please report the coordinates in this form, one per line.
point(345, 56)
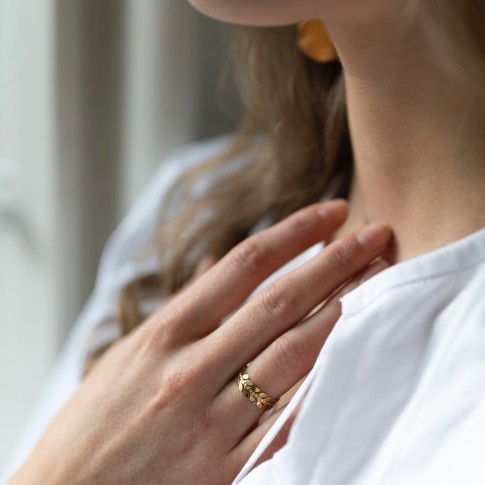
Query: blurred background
point(93, 95)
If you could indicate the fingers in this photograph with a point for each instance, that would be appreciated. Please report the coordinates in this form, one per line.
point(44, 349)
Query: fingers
point(244, 448)
point(289, 358)
point(286, 302)
point(205, 264)
point(249, 444)
point(226, 285)
point(280, 439)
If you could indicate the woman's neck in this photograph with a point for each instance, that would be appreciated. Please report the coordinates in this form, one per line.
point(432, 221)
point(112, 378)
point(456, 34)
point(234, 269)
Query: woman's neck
point(417, 135)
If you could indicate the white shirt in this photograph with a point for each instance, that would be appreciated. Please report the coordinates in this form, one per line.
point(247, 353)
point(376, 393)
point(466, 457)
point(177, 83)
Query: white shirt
point(397, 395)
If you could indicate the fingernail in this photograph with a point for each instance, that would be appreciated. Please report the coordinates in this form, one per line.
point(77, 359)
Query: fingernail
point(374, 236)
point(332, 206)
point(376, 268)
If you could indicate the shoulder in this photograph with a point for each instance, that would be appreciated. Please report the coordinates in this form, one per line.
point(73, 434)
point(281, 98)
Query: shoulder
point(126, 249)
point(132, 252)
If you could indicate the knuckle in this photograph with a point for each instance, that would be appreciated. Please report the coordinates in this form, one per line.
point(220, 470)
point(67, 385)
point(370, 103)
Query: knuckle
point(340, 255)
point(278, 301)
point(159, 331)
point(177, 381)
point(155, 332)
point(164, 329)
point(290, 354)
point(251, 255)
point(174, 385)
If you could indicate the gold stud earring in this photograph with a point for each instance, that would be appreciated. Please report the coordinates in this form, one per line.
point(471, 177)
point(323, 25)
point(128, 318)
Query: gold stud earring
point(315, 43)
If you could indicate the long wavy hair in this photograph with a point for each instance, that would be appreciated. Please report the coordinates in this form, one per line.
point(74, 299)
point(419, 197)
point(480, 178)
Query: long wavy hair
point(295, 135)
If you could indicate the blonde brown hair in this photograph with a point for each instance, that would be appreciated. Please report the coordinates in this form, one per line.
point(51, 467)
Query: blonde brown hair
point(296, 136)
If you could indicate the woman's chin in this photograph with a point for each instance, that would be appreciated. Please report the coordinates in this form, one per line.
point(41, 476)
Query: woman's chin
point(255, 13)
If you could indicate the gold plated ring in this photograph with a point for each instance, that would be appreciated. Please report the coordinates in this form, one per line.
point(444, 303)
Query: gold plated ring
point(255, 395)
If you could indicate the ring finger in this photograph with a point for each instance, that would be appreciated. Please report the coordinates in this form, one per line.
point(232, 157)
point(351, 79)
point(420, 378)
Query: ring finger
point(289, 299)
point(289, 358)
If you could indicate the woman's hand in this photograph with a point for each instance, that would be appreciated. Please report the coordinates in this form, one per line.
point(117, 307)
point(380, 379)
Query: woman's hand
point(161, 406)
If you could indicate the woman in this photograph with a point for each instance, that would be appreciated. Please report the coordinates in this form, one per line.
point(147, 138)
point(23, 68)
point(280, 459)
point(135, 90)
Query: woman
point(396, 392)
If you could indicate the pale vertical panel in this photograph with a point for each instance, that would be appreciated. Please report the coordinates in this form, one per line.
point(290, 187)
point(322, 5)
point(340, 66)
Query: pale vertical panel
point(173, 60)
point(89, 107)
point(27, 271)
point(93, 94)
point(160, 87)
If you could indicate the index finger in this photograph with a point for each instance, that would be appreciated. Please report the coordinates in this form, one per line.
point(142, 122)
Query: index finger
point(232, 279)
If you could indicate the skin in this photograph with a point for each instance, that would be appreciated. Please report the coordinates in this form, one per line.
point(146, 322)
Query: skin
point(161, 405)
point(417, 131)
point(272, 13)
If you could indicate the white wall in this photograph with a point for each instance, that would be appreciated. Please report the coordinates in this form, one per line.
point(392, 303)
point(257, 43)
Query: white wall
point(161, 78)
point(92, 95)
point(28, 314)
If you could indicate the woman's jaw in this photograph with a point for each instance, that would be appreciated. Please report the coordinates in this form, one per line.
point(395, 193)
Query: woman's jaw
point(272, 13)
point(417, 132)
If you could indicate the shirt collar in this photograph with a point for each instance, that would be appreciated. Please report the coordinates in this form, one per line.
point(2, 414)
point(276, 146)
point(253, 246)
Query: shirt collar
point(457, 256)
